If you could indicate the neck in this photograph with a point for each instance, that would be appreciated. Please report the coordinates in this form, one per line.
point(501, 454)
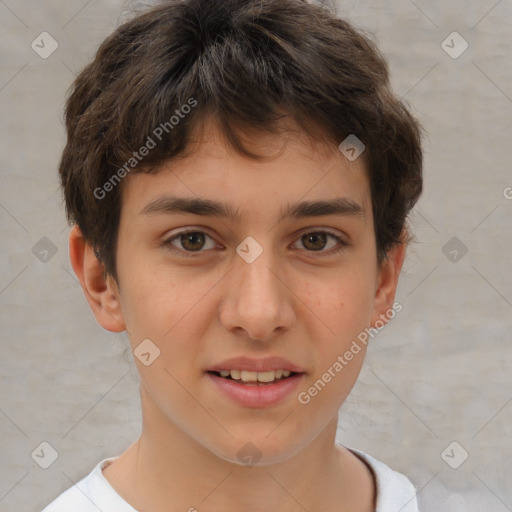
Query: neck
point(165, 469)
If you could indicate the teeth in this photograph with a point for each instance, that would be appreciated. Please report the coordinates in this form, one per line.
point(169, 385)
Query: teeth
point(247, 376)
point(264, 376)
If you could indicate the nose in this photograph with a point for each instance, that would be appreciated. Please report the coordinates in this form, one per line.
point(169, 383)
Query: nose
point(258, 301)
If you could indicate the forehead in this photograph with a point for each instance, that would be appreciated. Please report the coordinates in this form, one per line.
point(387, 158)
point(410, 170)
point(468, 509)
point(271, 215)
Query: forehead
point(294, 168)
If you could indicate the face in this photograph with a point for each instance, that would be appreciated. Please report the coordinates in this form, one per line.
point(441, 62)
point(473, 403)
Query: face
point(256, 284)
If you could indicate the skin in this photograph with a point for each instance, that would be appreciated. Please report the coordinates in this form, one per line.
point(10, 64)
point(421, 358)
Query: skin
point(292, 301)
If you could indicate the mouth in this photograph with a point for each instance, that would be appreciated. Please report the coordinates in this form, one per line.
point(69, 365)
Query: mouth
point(252, 378)
point(248, 388)
point(257, 383)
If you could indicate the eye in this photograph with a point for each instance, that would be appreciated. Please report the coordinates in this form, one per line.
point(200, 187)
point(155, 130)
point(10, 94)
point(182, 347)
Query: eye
point(190, 240)
point(316, 241)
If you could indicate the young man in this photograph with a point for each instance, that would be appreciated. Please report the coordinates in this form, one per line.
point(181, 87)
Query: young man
point(238, 175)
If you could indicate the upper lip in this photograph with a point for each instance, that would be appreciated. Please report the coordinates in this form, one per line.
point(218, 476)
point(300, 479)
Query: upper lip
point(256, 365)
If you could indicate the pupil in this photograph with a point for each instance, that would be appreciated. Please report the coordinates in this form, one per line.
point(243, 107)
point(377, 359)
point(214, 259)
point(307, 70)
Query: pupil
point(189, 237)
point(316, 236)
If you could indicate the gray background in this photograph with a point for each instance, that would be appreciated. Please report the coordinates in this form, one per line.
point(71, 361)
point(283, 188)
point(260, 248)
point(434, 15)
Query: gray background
point(440, 372)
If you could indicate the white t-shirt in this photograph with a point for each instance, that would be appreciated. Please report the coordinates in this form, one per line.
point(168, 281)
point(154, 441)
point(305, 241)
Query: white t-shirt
point(395, 493)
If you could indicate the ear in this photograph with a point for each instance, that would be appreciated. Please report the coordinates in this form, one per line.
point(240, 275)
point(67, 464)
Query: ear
point(387, 282)
point(101, 292)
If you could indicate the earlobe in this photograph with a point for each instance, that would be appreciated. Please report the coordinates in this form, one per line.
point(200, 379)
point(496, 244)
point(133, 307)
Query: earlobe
point(100, 291)
point(387, 283)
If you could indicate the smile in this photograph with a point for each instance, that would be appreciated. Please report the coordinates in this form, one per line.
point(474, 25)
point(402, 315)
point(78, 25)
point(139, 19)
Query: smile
point(254, 377)
point(253, 392)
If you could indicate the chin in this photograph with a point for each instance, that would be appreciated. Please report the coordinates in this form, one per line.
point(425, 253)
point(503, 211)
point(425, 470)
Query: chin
point(253, 451)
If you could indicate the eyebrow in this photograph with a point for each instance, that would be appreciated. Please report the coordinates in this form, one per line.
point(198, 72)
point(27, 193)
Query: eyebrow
point(198, 206)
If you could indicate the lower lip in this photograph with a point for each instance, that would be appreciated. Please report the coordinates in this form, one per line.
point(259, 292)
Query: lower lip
point(254, 395)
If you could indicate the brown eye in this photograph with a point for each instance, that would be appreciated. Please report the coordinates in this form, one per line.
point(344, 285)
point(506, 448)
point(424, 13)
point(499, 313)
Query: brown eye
point(190, 242)
point(314, 241)
point(317, 241)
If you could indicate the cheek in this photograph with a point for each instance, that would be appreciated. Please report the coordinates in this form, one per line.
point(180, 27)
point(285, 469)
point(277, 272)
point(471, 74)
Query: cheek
point(150, 294)
point(343, 304)
point(341, 312)
point(166, 307)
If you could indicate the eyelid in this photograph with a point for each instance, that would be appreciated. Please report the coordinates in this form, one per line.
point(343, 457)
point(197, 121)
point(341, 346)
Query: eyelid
point(321, 229)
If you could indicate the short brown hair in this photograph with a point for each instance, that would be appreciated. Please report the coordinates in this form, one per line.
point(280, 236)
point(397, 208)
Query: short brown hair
point(247, 63)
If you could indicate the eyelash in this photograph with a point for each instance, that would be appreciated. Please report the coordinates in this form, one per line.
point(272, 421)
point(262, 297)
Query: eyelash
point(191, 254)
